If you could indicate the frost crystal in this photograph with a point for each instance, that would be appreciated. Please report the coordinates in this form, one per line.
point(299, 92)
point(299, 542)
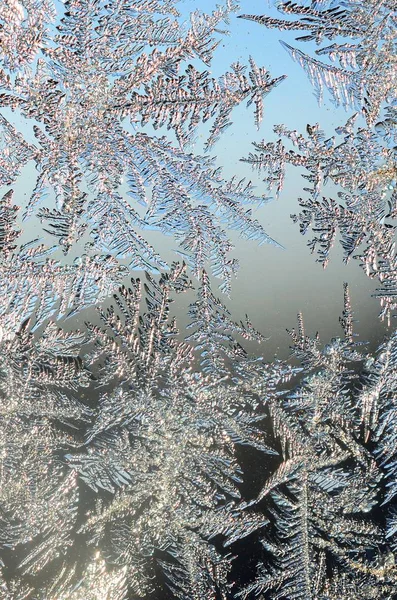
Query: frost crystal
point(89, 83)
point(366, 75)
point(362, 161)
point(138, 461)
point(318, 500)
point(359, 163)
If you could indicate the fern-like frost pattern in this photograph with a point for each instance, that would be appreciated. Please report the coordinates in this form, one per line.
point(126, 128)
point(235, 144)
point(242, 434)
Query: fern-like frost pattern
point(138, 460)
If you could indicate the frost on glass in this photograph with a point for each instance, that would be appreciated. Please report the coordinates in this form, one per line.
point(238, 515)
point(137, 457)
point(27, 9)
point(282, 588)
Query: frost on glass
point(163, 443)
point(148, 480)
point(33, 282)
point(360, 157)
point(97, 73)
point(126, 444)
point(321, 541)
point(361, 68)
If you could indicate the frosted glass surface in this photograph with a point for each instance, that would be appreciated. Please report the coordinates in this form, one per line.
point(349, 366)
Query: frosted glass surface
point(198, 286)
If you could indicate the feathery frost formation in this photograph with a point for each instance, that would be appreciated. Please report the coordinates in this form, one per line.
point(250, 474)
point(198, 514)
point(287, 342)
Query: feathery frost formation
point(130, 451)
point(360, 160)
point(94, 76)
point(145, 485)
point(364, 50)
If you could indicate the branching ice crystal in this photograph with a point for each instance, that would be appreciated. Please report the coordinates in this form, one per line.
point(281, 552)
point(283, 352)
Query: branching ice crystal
point(361, 163)
point(40, 380)
point(88, 84)
point(125, 447)
point(32, 282)
point(366, 75)
point(318, 500)
point(159, 456)
point(162, 444)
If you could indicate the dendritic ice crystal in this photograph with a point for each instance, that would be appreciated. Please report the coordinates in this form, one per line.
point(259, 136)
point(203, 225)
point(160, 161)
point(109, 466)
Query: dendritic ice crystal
point(142, 461)
point(360, 160)
point(96, 74)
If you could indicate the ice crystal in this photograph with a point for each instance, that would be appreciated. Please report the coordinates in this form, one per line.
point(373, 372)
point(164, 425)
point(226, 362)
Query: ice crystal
point(90, 82)
point(163, 445)
point(125, 446)
point(32, 282)
point(363, 168)
point(318, 499)
point(366, 76)
point(216, 334)
point(40, 379)
point(363, 163)
point(159, 455)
